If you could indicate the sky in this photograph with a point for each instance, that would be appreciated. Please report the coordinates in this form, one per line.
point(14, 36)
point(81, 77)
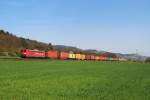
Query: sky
point(120, 26)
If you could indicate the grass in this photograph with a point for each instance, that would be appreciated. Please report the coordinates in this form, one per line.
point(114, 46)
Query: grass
point(73, 80)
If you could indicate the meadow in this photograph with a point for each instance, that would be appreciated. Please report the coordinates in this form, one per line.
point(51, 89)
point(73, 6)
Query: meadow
point(73, 80)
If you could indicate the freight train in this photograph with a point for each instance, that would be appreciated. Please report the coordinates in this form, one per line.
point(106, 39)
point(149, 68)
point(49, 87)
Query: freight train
point(54, 54)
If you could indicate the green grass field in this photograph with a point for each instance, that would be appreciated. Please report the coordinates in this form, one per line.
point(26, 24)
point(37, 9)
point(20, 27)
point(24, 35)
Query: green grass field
point(73, 80)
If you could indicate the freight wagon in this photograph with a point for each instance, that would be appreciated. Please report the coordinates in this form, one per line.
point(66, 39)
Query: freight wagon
point(103, 57)
point(97, 58)
point(82, 57)
point(64, 55)
point(78, 56)
point(53, 54)
point(92, 57)
point(72, 55)
point(87, 57)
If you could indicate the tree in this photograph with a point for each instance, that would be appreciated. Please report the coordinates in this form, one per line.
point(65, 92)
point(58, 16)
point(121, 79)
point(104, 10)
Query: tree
point(24, 43)
point(148, 59)
point(2, 32)
point(112, 55)
point(50, 46)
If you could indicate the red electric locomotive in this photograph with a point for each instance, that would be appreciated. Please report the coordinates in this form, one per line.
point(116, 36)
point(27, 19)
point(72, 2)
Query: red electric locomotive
point(26, 53)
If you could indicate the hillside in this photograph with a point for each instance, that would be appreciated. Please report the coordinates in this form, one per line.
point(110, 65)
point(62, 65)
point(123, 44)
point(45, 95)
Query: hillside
point(11, 44)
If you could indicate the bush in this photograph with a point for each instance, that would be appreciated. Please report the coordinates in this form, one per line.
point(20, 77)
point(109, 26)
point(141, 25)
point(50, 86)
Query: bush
point(3, 53)
point(12, 54)
point(148, 59)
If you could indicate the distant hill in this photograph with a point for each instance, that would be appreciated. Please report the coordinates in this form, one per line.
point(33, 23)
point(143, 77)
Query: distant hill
point(91, 51)
point(133, 57)
point(67, 48)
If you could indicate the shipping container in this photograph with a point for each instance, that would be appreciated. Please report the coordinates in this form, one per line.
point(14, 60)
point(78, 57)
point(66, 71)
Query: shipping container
point(92, 57)
point(53, 54)
point(87, 57)
point(78, 56)
point(64, 55)
point(82, 57)
point(72, 55)
point(103, 57)
point(97, 58)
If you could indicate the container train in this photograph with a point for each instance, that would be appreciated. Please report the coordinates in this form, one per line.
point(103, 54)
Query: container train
point(54, 54)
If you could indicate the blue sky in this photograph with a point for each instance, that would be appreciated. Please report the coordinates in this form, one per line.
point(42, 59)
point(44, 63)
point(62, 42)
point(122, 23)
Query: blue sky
point(121, 26)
